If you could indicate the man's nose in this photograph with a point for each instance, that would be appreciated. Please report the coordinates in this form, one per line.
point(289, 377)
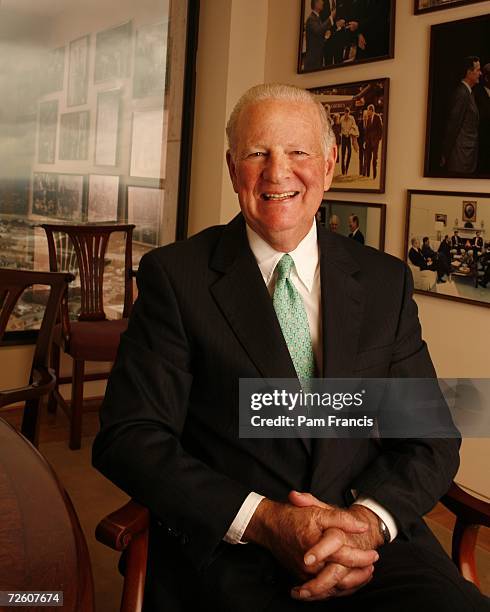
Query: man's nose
point(277, 167)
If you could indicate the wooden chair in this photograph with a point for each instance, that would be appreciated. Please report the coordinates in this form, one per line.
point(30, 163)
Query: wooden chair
point(92, 337)
point(42, 380)
point(126, 530)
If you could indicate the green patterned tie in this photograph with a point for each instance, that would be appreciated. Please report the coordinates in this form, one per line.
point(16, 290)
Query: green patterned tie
point(292, 318)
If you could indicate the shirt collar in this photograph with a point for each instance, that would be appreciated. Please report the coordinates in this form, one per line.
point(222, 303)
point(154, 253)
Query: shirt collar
point(487, 89)
point(305, 256)
point(467, 86)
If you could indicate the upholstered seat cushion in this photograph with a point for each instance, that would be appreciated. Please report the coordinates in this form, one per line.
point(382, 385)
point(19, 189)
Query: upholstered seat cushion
point(94, 340)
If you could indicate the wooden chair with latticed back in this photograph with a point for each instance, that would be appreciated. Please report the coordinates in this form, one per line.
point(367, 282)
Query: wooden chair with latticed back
point(93, 337)
point(42, 380)
point(126, 530)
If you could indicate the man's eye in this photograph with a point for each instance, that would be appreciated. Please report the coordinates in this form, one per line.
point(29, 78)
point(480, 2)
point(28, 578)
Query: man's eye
point(299, 153)
point(256, 154)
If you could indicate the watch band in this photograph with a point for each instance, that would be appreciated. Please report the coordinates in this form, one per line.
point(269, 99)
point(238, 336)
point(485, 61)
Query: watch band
point(384, 531)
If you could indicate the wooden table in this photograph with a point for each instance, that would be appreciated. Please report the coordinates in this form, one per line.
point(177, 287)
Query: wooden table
point(42, 547)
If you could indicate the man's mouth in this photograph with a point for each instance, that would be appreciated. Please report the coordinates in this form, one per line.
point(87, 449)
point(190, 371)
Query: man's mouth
point(277, 197)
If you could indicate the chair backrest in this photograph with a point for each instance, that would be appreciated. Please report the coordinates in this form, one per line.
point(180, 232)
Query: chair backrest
point(89, 244)
point(12, 285)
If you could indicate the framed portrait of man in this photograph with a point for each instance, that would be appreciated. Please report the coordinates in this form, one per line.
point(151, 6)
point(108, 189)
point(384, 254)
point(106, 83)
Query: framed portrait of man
point(458, 114)
point(336, 33)
point(358, 114)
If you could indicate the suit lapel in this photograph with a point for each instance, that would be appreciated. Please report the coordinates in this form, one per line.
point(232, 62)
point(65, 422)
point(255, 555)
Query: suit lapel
point(244, 300)
point(343, 303)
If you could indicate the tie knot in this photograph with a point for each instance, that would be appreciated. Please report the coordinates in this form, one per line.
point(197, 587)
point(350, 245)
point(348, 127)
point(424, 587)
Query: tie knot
point(284, 267)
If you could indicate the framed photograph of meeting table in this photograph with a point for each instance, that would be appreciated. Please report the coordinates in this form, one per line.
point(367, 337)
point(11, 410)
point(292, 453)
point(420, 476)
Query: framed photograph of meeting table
point(448, 256)
point(335, 33)
point(362, 221)
point(358, 114)
point(458, 114)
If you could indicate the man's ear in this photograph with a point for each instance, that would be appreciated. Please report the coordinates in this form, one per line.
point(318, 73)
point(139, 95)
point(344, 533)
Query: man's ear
point(232, 170)
point(330, 168)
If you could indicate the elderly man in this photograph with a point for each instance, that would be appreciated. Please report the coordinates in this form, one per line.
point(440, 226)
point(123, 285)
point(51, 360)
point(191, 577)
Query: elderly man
point(271, 294)
point(334, 223)
point(355, 231)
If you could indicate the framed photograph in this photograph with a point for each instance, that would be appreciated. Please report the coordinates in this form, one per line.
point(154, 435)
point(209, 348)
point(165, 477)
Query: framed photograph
point(426, 6)
point(150, 61)
point(78, 71)
point(361, 221)
point(450, 262)
point(358, 114)
point(103, 198)
point(458, 114)
point(147, 156)
point(107, 129)
point(112, 53)
point(74, 130)
point(70, 197)
point(53, 71)
point(440, 218)
point(44, 194)
point(335, 33)
point(145, 210)
point(48, 128)
point(469, 210)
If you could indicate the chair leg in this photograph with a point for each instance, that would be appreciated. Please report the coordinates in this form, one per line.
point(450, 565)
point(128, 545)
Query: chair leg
point(30, 421)
point(76, 404)
point(55, 364)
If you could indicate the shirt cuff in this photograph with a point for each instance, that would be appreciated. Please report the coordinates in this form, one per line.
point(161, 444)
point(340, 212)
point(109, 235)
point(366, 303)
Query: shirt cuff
point(242, 519)
point(383, 514)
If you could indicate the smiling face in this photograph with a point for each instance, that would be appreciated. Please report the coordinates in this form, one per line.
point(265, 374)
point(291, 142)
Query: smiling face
point(279, 169)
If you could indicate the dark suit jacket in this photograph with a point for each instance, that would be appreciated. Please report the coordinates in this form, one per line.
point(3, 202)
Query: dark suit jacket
point(169, 423)
point(315, 30)
point(374, 131)
point(460, 145)
point(455, 241)
point(359, 236)
point(417, 258)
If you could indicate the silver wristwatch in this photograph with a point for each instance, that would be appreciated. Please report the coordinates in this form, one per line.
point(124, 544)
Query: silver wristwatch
point(384, 531)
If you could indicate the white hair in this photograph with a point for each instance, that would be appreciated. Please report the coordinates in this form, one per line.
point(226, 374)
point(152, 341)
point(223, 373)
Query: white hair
point(277, 91)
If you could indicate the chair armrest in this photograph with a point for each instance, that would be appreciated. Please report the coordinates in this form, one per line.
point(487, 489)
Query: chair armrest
point(466, 507)
point(118, 528)
point(126, 530)
point(43, 381)
point(471, 513)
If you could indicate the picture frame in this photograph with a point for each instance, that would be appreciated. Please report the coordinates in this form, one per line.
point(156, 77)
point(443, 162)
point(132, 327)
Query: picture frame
point(103, 198)
point(428, 6)
point(360, 108)
point(469, 210)
point(458, 113)
point(150, 61)
point(147, 156)
point(371, 220)
point(365, 33)
point(112, 47)
point(441, 218)
point(78, 71)
point(74, 132)
point(53, 71)
point(48, 130)
point(457, 257)
point(107, 128)
point(59, 195)
point(145, 210)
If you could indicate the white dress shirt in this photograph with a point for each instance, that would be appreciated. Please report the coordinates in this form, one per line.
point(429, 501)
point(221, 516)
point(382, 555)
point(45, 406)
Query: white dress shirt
point(305, 275)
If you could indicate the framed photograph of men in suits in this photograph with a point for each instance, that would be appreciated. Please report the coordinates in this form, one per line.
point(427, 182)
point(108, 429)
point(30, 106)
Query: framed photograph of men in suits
point(458, 114)
point(449, 260)
point(358, 114)
point(361, 221)
point(336, 33)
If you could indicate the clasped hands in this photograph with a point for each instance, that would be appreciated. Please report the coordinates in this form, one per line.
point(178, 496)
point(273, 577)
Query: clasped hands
point(332, 550)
